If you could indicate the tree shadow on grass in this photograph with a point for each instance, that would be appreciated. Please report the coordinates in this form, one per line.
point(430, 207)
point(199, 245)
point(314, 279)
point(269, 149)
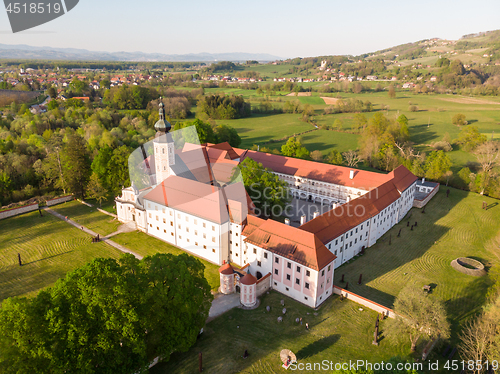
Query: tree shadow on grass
point(383, 258)
point(317, 346)
point(47, 258)
point(421, 134)
point(462, 308)
point(19, 280)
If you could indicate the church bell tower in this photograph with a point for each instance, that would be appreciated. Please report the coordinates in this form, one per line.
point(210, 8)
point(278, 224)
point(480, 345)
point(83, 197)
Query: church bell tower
point(163, 147)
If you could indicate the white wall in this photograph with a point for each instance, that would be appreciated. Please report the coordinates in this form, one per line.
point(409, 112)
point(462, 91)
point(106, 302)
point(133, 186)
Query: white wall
point(201, 237)
point(16, 211)
point(59, 200)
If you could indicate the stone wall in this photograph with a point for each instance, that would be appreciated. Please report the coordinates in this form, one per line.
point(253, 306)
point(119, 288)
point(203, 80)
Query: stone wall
point(15, 211)
point(361, 300)
point(264, 284)
point(59, 200)
point(421, 203)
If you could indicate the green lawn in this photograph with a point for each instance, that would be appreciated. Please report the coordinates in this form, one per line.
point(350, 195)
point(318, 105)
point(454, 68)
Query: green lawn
point(263, 128)
point(325, 141)
point(88, 217)
point(339, 331)
point(49, 249)
point(147, 245)
point(450, 228)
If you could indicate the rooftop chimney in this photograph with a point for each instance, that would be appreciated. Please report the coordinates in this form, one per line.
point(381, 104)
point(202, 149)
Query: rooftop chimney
point(302, 219)
point(351, 174)
point(423, 180)
point(287, 221)
point(315, 214)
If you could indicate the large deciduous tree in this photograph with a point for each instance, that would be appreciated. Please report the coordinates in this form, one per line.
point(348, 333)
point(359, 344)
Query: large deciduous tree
point(76, 161)
point(470, 137)
point(418, 315)
point(294, 148)
point(107, 317)
point(437, 164)
point(268, 193)
point(225, 133)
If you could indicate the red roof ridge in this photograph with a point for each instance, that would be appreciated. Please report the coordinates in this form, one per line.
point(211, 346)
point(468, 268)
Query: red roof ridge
point(248, 279)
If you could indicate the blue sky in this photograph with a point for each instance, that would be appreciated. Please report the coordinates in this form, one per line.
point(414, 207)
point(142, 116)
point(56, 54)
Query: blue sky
point(286, 28)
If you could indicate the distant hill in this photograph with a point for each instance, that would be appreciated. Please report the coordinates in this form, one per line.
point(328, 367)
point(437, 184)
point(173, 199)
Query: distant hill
point(482, 47)
point(23, 51)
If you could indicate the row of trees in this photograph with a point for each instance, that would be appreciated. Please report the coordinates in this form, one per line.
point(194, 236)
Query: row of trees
point(224, 107)
point(108, 316)
point(211, 133)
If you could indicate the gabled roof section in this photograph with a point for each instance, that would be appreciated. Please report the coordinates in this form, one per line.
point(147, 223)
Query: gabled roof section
point(364, 180)
point(202, 200)
point(253, 223)
point(336, 222)
point(402, 178)
point(225, 147)
point(289, 242)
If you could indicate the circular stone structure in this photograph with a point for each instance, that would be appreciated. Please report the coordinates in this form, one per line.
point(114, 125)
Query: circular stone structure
point(226, 279)
point(248, 294)
point(468, 266)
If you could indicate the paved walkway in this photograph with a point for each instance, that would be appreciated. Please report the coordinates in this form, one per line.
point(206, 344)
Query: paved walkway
point(222, 303)
point(88, 231)
point(126, 227)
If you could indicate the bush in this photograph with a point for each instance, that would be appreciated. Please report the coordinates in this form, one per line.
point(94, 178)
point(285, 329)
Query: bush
point(413, 108)
point(442, 146)
point(459, 119)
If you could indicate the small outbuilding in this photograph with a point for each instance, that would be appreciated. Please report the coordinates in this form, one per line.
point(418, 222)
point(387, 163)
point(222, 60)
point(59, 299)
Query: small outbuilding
point(248, 294)
point(226, 279)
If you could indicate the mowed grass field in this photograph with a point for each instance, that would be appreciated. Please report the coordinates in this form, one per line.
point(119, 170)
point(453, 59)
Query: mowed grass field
point(147, 245)
point(49, 248)
point(87, 216)
point(450, 227)
point(339, 331)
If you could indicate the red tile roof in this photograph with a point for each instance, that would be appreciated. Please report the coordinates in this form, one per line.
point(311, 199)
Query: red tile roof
point(336, 222)
point(402, 178)
point(202, 200)
point(289, 242)
point(318, 171)
point(226, 269)
point(248, 280)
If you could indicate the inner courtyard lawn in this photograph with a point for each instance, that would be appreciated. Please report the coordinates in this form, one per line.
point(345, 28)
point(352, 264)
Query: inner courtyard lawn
point(49, 249)
point(451, 227)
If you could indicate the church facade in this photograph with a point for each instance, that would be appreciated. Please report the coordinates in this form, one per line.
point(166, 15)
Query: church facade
point(194, 203)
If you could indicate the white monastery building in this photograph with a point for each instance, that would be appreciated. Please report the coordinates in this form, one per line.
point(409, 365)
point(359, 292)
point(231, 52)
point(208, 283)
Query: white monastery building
point(190, 198)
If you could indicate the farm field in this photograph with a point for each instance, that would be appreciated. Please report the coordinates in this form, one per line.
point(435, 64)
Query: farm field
point(325, 141)
point(49, 249)
point(450, 228)
point(339, 331)
point(261, 129)
point(146, 245)
point(429, 124)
